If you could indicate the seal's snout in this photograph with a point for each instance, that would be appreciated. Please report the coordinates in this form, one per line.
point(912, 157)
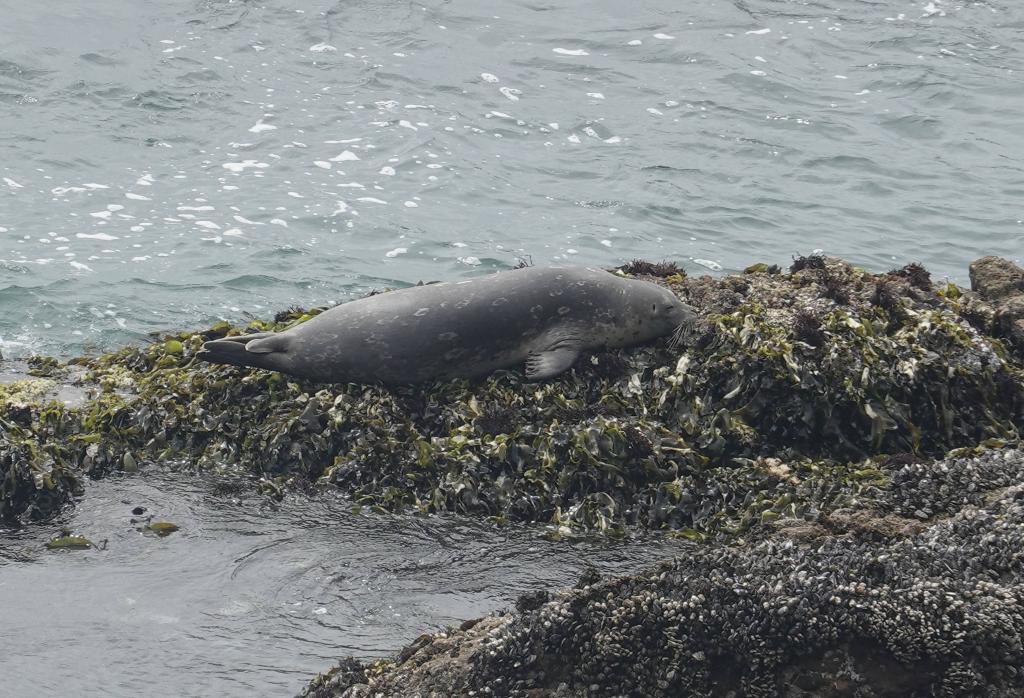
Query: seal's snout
point(679, 313)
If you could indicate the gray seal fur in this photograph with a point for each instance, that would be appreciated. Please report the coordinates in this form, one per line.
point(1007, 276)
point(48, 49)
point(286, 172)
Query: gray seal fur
point(544, 317)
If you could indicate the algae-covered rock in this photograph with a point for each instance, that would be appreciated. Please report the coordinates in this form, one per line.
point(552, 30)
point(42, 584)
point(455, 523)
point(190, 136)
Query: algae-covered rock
point(34, 481)
point(822, 368)
point(867, 609)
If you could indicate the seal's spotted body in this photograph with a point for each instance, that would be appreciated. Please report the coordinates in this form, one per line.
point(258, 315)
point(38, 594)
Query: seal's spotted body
point(541, 316)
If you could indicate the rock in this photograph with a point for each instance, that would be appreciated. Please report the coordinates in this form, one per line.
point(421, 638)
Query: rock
point(1001, 283)
point(996, 278)
point(886, 608)
point(435, 666)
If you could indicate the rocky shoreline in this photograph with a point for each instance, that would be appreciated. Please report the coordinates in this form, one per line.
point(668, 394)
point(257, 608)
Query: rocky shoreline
point(838, 447)
point(857, 603)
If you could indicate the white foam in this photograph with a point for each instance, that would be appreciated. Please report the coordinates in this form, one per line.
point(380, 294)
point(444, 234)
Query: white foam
point(472, 261)
point(244, 165)
point(488, 77)
point(766, 30)
point(510, 93)
point(342, 208)
point(95, 236)
point(370, 200)
point(80, 266)
point(323, 164)
point(296, 195)
point(570, 51)
point(344, 156)
point(635, 42)
point(411, 204)
point(259, 127)
point(387, 171)
point(708, 263)
point(136, 197)
point(322, 48)
point(61, 191)
point(397, 251)
point(209, 225)
point(100, 214)
point(145, 180)
point(664, 37)
point(12, 184)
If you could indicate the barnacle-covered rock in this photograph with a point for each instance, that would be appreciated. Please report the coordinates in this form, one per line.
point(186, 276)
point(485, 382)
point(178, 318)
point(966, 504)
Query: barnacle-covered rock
point(869, 611)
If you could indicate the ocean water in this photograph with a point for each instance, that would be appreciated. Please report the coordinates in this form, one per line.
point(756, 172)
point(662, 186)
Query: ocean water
point(253, 599)
point(164, 165)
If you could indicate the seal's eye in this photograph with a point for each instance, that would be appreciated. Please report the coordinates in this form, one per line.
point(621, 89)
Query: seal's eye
point(654, 308)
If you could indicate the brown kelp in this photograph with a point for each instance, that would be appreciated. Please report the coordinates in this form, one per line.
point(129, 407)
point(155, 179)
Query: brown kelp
point(776, 406)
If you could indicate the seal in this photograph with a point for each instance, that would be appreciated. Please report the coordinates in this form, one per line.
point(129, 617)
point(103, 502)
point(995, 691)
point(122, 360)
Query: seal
point(544, 317)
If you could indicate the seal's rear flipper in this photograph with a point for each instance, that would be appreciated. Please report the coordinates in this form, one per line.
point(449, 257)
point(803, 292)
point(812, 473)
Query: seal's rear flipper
point(548, 364)
point(236, 351)
point(269, 343)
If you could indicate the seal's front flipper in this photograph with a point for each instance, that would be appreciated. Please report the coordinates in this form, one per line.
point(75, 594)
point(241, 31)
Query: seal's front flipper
point(548, 364)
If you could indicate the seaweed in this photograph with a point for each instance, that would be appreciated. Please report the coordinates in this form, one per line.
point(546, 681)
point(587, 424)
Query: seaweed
point(640, 267)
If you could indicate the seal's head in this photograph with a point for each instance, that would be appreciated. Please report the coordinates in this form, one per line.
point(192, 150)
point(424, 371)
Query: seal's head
point(654, 311)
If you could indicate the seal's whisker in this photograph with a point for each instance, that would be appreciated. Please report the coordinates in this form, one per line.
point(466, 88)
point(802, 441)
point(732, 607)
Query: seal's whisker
point(677, 336)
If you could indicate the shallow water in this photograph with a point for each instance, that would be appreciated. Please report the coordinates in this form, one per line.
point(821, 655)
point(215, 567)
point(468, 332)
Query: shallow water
point(166, 164)
point(250, 599)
